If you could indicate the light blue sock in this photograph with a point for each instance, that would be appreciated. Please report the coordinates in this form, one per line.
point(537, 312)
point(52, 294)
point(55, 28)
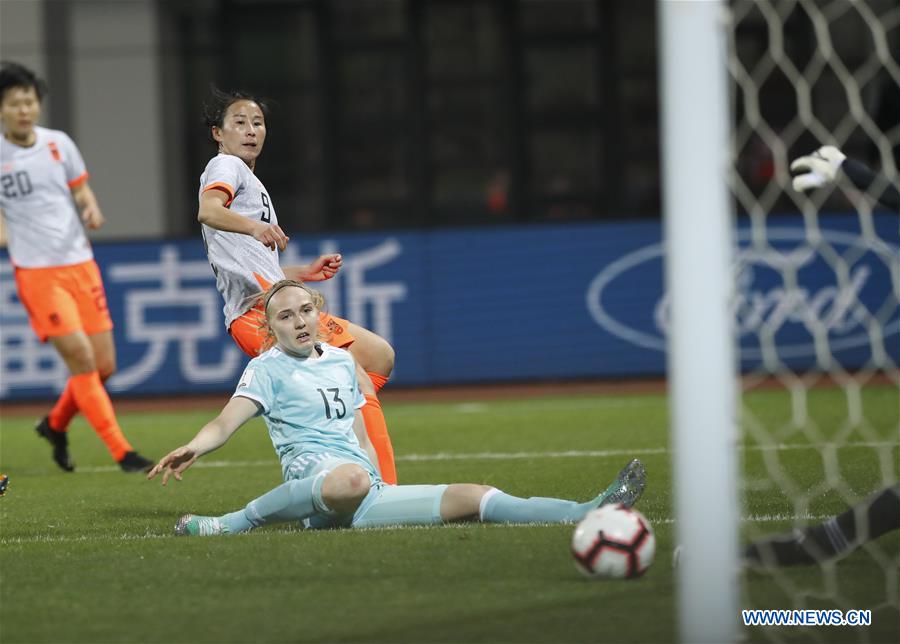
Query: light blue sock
point(499, 507)
point(289, 501)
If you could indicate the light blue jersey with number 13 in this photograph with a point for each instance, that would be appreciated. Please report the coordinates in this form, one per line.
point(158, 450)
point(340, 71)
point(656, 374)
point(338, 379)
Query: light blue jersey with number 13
point(308, 404)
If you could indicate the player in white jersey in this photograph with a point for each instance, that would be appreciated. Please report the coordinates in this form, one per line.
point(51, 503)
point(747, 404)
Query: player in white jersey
point(242, 236)
point(307, 393)
point(46, 202)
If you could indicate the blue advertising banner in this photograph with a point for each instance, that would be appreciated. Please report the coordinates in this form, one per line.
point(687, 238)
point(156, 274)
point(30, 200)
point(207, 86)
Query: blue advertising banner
point(495, 304)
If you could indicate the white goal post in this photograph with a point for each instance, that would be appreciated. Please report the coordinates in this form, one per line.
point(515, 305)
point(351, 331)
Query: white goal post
point(702, 367)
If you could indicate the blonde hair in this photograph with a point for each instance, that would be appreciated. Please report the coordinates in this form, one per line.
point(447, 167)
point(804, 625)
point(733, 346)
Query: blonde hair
point(317, 298)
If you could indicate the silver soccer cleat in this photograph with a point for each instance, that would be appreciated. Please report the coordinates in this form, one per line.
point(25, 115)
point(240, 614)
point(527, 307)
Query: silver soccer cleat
point(628, 486)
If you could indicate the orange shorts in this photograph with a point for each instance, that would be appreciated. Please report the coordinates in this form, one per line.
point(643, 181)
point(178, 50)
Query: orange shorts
point(64, 299)
point(248, 332)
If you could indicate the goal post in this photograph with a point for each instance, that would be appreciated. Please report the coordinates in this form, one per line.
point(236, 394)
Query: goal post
point(702, 366)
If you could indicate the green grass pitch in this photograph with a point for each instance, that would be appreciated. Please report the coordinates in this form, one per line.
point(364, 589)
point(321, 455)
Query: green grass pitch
point(89, 556)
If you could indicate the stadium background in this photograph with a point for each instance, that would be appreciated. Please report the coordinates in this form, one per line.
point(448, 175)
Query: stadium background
point(489, 169)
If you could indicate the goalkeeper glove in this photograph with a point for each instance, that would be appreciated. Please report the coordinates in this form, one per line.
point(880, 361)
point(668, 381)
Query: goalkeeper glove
point(818, 169)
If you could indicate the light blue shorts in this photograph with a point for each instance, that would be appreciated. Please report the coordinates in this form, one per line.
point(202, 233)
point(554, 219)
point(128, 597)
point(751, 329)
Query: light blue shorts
point(310, 464)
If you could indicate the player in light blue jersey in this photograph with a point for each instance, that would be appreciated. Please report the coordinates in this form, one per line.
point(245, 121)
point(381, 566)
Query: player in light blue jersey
point(308, 394)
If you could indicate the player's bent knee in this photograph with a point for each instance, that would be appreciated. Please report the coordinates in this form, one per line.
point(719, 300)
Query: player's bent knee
point(106, 370)
point(462, 501)
point(372, 352)
point(345, 487)
point(386, 356)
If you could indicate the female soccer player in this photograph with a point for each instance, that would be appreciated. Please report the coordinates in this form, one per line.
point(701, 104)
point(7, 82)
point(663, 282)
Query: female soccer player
point(242, 237)
point(309, 397)
point(46, 201)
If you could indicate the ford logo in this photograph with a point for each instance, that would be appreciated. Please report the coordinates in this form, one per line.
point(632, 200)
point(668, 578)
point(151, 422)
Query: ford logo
point(790, 295)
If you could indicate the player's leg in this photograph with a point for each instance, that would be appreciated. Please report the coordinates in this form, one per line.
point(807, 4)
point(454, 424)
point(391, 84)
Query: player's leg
point(104, 353)
point(434, 504)
point(74, 301)
point(373, 353)
point(841, 534)
point(376, 427)
point(93, 401)
point(52, 310)
point(330, 492)
point(248, 332)
point(375, 359)
point(65, 408)
point(498, 507)
point(430, 504)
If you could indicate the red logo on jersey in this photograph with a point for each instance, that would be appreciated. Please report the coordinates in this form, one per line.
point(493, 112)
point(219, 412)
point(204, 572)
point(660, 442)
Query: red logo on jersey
point(54, 151)
point(7, 167)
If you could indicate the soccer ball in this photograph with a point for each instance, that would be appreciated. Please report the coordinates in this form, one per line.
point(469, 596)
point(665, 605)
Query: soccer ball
point(613, 541)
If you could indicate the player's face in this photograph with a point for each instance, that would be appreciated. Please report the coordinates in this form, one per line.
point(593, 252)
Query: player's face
point(294, 319)
point(19, 113)
point(243, 131)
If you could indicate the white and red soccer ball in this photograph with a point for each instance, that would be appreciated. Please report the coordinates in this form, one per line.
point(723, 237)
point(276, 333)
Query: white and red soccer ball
point(613, 541)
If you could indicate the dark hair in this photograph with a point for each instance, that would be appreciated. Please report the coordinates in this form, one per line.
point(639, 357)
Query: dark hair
point(16, 75)
point(217, 104)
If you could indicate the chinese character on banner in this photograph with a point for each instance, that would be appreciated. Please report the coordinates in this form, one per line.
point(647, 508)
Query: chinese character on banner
point(25, 362)
point(161, 335)
point(360, 296)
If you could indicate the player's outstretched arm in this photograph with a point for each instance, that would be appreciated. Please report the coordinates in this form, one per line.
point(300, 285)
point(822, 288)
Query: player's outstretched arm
point(214, 214)
point(324, 268)
point(818, 169)
point(212, 436)
point(827, 164)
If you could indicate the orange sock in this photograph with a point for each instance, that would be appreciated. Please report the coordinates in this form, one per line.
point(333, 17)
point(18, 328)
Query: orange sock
point(64, 409)
point(94, 403)
point(377, 379)
point(376, 430)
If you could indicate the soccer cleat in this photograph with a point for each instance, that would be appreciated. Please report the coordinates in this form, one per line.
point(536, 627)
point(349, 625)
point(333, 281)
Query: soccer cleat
point(4, 484)
point(60, 442)
point(628, 486)
point(134, 462)
point(192, 525)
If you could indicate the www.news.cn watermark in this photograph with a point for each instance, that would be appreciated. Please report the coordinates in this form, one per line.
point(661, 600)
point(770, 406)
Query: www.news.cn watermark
point(810, 617)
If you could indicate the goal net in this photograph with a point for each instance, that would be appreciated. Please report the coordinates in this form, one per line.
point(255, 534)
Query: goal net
point(817, 283)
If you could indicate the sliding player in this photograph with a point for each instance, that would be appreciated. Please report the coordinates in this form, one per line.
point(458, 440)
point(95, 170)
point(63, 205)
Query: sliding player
point(242, 237)
point(46, 200)
point(309, 397)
